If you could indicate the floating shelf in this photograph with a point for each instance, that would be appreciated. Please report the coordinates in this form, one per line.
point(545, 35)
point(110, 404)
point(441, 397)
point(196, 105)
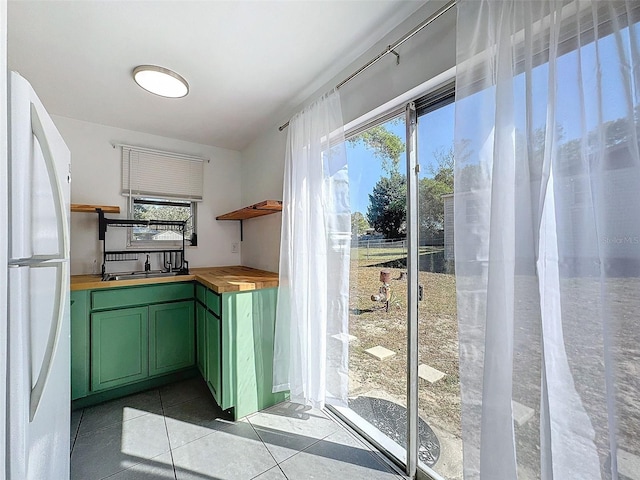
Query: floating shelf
point(260, 209)
point(256, 210)
point(78, 207)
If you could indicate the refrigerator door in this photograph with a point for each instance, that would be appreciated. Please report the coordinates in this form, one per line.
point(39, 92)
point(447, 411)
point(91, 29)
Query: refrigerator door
point(39, 180)
point(38, 373)
point(38, 351)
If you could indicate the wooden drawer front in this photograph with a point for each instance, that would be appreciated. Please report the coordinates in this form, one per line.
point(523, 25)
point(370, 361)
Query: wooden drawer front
point(201, 293)
point(129, 296)
point(213, 302)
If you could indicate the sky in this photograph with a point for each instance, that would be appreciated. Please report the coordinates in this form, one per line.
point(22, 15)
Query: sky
point(435, 131)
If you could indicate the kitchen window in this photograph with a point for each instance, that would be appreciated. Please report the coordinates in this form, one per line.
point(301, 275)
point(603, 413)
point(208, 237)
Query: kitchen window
point(146, 208)
point(161, 186)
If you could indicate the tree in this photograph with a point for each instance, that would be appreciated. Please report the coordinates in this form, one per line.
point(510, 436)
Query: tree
point(387, 210)
point(359, 224)
point(385, 145)
point(161, 212)
point(431, 190)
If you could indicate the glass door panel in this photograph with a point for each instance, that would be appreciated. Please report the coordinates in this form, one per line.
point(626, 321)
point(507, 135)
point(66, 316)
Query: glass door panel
point(378, 285)
point(440, 445)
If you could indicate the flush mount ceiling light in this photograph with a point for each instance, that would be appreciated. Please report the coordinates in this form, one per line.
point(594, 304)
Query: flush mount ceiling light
point(160, 81)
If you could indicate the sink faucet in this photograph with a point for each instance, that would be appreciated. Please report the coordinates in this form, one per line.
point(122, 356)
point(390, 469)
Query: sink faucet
point(147, 265)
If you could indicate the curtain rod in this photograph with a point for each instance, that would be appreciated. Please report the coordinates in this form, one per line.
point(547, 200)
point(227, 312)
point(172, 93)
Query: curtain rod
point(165, 153)
point(391, 48)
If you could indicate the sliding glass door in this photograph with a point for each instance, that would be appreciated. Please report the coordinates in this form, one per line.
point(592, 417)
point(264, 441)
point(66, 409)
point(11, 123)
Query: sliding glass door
point(378, 283)
point(438, 368)
point(402, 287)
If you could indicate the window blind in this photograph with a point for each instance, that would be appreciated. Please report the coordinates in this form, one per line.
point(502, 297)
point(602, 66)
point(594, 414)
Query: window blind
point(155, 173)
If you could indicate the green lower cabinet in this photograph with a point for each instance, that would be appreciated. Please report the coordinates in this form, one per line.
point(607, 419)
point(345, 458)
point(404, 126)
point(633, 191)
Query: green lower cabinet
point(79, 344)
point(119, 347)
point(116, 345)
point(214, 366)
point(171, 337)
point(201, 339)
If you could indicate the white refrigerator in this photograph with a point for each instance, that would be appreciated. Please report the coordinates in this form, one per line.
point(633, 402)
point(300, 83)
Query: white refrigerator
point(38, 355)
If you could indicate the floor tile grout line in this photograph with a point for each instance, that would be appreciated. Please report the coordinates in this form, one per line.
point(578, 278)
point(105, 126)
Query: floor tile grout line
point(372, 453)
point(283, 474)
point(308, 446)
point(266, 448)
point(146, 412)
point(378, 456)
point(213, 431)
point(112, 424)
point(141, 462)
point(166, 429)
point(75, 437)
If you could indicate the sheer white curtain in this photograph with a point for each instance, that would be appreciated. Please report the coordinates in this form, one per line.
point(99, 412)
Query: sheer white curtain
point(311, 338)
point(547, 228)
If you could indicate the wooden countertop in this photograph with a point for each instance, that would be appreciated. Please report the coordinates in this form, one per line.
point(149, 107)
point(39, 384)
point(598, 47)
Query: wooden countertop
point(219, 279)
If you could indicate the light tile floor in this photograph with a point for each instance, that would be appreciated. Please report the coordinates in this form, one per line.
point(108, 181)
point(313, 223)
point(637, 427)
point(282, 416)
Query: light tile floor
point(178, 432)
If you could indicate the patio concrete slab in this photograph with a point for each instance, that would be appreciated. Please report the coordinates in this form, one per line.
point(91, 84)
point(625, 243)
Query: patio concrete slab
point(430, 374)
point(380, 353)
point(628, 465)
point(521, 413)
point(341, 336)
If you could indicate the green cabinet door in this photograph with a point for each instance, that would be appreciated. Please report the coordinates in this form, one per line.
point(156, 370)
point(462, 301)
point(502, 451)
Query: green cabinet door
point(201, 339)
point(79, 344)
point(119, 347)
point(171, 337)
point(214, 355)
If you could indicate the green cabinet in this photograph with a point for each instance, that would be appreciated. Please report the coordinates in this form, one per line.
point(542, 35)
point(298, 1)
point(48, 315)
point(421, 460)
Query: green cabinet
point(208, 338)
point(201, 340)
point(119, 347)
point(129, 338)
point(80, 344)
point(171, 337)
point(213, 359)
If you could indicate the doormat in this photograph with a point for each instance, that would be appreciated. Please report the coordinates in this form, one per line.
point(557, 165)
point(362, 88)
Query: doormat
point(391, 419)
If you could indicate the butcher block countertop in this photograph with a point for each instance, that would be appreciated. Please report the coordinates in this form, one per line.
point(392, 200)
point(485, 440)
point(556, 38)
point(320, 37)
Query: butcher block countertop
point(219, 279)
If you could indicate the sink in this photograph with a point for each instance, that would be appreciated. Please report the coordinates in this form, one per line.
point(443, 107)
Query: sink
point(107, 277)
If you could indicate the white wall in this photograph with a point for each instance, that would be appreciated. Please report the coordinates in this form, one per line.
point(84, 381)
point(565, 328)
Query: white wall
point(96, 179)
point(426, 55)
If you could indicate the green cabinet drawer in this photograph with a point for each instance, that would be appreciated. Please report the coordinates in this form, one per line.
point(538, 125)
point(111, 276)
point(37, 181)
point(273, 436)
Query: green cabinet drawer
point(143, 295)
point(171, 337)
point(213, 302)
point(79, 344)
point(119, 347)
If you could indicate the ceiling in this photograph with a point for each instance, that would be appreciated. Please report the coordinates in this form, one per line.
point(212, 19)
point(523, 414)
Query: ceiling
point(248, 63)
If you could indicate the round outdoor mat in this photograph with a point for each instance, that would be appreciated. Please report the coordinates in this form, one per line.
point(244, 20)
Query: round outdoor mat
point(391, 419)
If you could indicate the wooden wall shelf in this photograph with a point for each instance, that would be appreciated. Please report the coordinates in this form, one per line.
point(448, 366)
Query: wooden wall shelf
point(260, 209)
point(78, 207)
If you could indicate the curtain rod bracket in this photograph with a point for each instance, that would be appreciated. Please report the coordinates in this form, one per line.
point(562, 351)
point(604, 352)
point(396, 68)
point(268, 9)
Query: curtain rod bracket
point(391, 50)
